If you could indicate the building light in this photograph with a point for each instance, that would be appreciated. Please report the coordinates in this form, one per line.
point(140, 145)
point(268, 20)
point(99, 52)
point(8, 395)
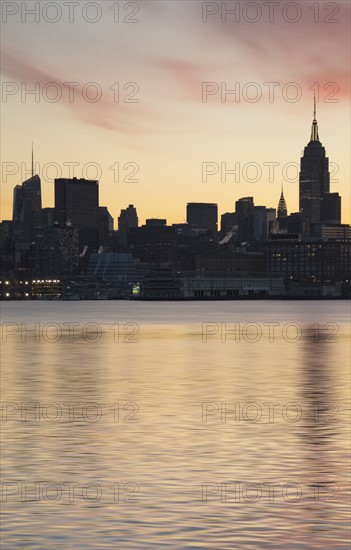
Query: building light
point(7, 282)
point(7, 294)
point(26, 294)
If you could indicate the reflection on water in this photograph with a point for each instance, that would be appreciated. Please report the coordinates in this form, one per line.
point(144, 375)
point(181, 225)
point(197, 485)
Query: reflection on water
point(156, 436)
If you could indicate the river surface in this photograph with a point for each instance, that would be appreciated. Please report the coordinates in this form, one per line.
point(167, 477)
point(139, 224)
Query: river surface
point(175, 425)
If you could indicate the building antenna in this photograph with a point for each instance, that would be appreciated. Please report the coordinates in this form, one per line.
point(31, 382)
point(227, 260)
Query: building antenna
point(32, 160)
point(314, 133)
point(314, 110)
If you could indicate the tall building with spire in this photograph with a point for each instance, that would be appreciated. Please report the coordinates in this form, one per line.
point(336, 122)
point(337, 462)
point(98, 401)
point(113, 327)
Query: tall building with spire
point(314, 176)
point(282, 208)
point(26, 213)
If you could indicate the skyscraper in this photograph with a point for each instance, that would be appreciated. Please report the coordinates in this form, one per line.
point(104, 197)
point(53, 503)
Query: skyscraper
point(128, 218)
point(314, 176)
point(27, 208)
point(244, 209)
point(105, 226)
point(202, 215)
point(262, 218)
point(77, 202)
point(331, 208)
point(282, 208)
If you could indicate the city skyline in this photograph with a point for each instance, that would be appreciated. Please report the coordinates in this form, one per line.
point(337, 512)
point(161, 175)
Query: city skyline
point(172, 131)
point(314, 137)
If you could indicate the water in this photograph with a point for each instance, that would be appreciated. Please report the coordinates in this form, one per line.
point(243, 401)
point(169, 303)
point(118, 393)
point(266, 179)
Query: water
point(130, 441)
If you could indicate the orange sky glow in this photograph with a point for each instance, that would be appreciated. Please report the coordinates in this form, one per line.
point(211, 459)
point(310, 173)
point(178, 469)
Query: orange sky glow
point(165, 103)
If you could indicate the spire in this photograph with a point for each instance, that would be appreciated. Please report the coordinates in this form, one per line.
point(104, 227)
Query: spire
point(314, 110)
point(282, 209)
point(314, 132)
point(32, 160)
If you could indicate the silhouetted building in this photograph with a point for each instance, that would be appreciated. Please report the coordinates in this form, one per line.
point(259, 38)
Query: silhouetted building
point(203, 215)
point(153, 243)
point(314, 176)
point(214, 286)
point(114, 267)
point(262, 218)
point(244, 209)
point(47, 216)
point(282, 208)
point(229, 259)
point(336, 231)
point(27, 208)
point(197, 242)
point(297, 224)
point(271, 214)
point(114, 241)
point(56, 251)
point(77, 202)
point(105, 226)
point(331, 208)
point(7, 247)
point(313, 261)
point(183, 229)
point(156, 221)
point(228, 222)
point(128, 218)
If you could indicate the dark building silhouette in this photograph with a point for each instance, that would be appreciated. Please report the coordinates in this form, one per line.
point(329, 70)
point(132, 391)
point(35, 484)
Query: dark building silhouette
point(202, 215)
point(7, 247)
point(27, 208)
point(156, 221)
point(56, 251)
point(331, 231)
point(314, 176)
point(105, 226)
point(114, 267)
point(297, 224)
point(25, 221)
point(331, 208)
point(262, 218)
point(47, 216)
point(114, 241)
point(228, 222)
point(156, 244)
point(244, 209)
point(231, 259)
point(315, 261)
point(128, 218)
point(77, 202)
point(282, 208)
point(183, 229)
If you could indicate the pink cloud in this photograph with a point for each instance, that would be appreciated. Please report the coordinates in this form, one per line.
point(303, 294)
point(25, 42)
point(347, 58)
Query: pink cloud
point(105, 113)
point(186, 75)
point(305, 51)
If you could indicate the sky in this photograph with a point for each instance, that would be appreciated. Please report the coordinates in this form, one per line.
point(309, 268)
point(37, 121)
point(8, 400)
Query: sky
point(168, 102)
